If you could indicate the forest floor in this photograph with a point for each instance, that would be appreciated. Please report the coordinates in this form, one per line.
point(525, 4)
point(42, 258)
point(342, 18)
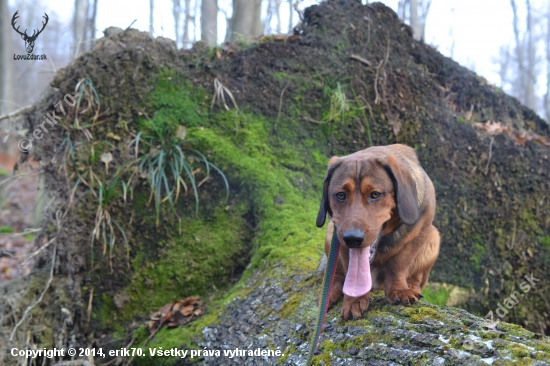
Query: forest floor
point(18, 199)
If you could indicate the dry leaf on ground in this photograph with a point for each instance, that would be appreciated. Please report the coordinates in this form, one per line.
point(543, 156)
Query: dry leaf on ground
point(176, 313)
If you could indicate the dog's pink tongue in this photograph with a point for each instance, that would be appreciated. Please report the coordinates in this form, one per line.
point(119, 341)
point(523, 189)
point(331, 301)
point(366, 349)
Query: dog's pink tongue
point(358, 281)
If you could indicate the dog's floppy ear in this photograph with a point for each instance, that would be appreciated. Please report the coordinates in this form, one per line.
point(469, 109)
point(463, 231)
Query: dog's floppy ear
point(322, 215)
point(405, 187)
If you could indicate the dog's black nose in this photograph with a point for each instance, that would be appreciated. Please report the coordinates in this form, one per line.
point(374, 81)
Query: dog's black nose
point(354, 238)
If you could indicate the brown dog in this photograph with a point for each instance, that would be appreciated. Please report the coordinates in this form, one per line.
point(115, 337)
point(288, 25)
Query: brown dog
point(383, 205)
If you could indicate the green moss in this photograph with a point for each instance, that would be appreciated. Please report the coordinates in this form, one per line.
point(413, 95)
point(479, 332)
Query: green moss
point(489, 335)
point(479, 252)
point(6, 230)
point(29, 237)
point(105, 313)
point(519, 351)
point(287, 352)
point(289, 308)
point(437, 295)
point(545, 347)
point(515, 329)
point(196, 262)
point(174, 102)
point(420, 314)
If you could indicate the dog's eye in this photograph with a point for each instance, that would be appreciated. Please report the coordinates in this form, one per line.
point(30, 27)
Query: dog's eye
point(375, 195)
point(340, 196)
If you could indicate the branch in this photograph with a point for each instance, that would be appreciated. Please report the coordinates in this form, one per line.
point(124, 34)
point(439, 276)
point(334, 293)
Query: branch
point(16, 113)
point(29, 308)
point(360, 59)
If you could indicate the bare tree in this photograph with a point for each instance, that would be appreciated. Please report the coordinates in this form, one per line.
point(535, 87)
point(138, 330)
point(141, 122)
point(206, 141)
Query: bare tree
point(415, 12)
point(186, 21)
point(176, 13)
point(79, 26)
point(290, 17)
point(209, 21)
point(246, 21)
point(92, 21)
point(525, 52)
point(5, 52)
point(278, 14)
point(415, 21)
point(547, 39)
point(151, 15)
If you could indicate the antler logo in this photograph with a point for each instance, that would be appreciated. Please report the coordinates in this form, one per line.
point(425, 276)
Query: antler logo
point(29, 40)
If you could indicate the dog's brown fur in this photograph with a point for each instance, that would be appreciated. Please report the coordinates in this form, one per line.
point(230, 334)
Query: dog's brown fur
point(402, 215)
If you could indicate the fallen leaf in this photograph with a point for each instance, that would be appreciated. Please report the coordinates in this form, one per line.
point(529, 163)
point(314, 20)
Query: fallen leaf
point(176, 313)
point(113, 136)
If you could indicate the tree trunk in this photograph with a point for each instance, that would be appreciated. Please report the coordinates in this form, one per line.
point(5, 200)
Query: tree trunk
point(151, 16)
point(80, 28)
point(531, 81)
point(547, 49)
point(246, 21)
point(176, 13)
point(209, 21)
point(290, 17)
point(186, 21)
point(5, 62)
point(278, 14)
point(92, 23)
point(415, 20)
point(522, 77)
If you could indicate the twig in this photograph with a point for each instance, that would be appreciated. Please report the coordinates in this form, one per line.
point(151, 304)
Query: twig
point(490, 154)
point(377, 96)
point(16, 113)
point(29, 308)
point(25, 232)
point(38, 251)
point(361, 59)
point(309, 119)
point(143, 345)
point(280, 104)
point(89, 314)
point(18, 176)
point(382, 63)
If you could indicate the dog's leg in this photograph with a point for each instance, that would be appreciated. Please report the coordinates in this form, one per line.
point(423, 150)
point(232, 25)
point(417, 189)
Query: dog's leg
point(396, 272)
point(423, 263)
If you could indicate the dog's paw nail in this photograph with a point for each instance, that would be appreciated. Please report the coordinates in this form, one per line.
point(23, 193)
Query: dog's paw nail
point(406, 302)
point(420, 296)
point(397, 301)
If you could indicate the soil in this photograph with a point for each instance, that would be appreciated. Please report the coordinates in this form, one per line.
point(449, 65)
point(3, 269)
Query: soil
point(17, 214)
point(352, 76)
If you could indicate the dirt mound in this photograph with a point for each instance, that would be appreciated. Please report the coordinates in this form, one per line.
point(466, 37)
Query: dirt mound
point(268, 115)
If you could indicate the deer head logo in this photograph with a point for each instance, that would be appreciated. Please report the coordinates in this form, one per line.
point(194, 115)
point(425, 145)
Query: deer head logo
point(29, 40)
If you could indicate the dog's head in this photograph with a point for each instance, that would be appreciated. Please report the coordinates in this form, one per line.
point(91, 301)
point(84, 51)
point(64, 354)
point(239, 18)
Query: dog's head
point(364, 191)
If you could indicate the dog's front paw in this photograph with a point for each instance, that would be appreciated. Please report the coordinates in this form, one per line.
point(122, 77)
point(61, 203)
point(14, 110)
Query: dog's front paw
point(354, 307)
point(404, 297)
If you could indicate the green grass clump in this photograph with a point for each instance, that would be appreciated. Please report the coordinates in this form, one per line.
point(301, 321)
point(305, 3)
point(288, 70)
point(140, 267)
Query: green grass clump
point(6, 230)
